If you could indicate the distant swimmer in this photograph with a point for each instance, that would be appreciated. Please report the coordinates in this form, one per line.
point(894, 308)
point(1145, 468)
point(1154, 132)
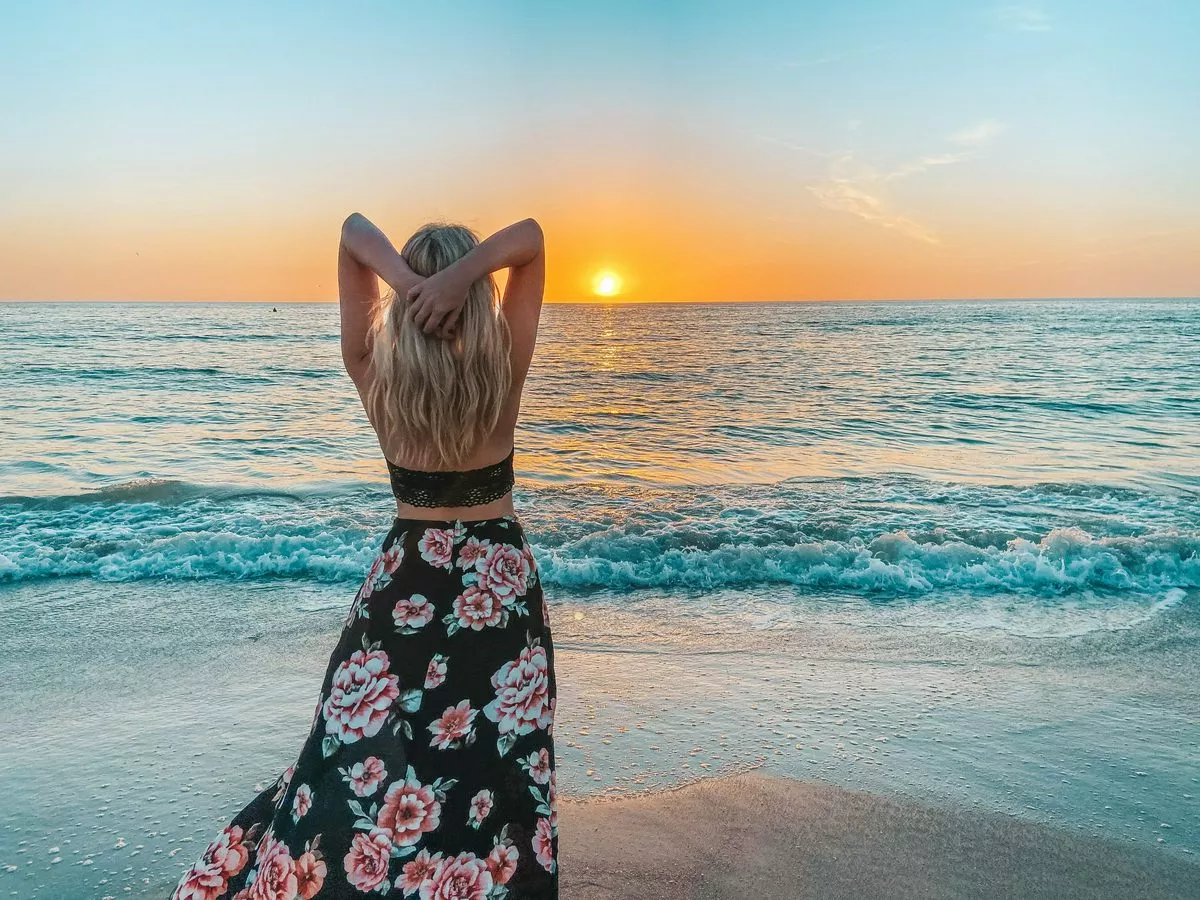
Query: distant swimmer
point(273, 309)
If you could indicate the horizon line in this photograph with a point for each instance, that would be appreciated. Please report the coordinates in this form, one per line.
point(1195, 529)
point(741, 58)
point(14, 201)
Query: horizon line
point(608, 301)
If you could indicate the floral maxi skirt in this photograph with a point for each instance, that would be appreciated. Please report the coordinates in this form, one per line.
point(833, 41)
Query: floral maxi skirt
point(429, 768)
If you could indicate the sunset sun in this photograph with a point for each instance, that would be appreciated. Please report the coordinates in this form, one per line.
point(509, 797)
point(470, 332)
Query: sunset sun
point(606, 284)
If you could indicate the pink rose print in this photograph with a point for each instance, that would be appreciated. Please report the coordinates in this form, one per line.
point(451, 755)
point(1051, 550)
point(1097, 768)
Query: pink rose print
point(275, 878)
point(502, 863)
point(418, 870)
point(412, 613)
point(382, 569)
point(228, 851)
point(436, 673)
point(454, 725)
point(378, 576)
point(366, 776)
point(522, 687)
point(409, 810)
point(310, 875)
point(481, 805)
point(207, 879)
point(543, 846)
point(203, 881)
point(476, 608)
point(538, 766)
point(462, 877)
point(361, 696)
point(472, 551)
point(504, 571)
point(527, 552)
point(303, 802)
point(437, 547)
point(367, 861)
point(267, 844)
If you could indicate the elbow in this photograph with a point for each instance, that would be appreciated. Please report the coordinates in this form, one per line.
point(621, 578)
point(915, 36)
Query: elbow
point(352, 221)
point(356, 360)
point(535, 229)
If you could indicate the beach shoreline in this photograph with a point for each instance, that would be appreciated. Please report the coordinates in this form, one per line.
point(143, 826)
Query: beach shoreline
point(155, 742)
point(767, 837)
point(775, 838)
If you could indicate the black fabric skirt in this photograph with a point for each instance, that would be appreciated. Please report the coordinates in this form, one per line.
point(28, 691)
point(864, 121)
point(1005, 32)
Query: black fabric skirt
point(429, 769)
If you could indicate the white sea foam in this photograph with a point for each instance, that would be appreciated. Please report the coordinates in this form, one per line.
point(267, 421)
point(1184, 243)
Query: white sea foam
point(179, 531)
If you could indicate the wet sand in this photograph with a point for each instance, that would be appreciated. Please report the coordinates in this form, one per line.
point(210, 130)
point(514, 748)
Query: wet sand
point(761, 837)
point(156, 743)
point(771, 838)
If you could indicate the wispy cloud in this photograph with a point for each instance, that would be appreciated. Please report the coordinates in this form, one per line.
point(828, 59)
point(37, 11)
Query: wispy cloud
point(924, 164)
point(1024, 18)
point(845, 195)
point(774, 140)
point(978, 135)
point(971, 140)
point(858, 189)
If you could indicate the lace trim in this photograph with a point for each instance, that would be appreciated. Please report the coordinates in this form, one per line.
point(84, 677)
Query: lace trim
point(472, 487)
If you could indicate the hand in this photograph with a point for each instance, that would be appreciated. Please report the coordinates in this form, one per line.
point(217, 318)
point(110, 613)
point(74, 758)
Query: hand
point(436, 302)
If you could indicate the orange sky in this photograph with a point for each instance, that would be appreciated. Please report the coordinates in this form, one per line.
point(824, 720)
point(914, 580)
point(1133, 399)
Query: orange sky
point(195, 155)
point(665, 247)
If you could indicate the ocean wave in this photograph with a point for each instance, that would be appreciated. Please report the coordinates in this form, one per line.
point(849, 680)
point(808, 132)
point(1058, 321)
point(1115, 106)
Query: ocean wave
point(873, 536)
point(209, 541)
point(1066, 560)
point(163, 492)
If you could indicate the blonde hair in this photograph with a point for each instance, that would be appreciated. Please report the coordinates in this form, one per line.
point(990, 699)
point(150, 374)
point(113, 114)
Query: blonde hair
point(434, 400)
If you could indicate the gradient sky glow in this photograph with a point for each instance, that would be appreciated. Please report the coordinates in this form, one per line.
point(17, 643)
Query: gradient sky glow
point(703, 151)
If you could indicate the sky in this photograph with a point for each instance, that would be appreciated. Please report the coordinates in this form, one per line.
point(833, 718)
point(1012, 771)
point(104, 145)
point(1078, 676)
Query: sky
point(698, 151)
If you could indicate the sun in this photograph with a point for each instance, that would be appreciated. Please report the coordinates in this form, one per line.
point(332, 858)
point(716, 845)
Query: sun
point(606, 283)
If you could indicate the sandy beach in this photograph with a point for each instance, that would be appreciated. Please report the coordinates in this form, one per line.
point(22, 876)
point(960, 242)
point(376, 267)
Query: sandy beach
point(771, 838)
point(763, 837)
point(836, 761)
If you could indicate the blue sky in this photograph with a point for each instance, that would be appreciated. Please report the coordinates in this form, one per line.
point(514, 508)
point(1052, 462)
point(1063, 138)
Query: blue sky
point(952, 148)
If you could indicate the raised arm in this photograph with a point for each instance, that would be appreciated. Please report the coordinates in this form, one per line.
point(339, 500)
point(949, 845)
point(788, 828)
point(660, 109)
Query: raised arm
point(438, 299)
point(522, 306)
point(365, 254)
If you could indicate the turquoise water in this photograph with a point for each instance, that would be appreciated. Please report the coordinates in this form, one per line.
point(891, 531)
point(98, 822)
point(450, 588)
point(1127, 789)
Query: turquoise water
point(943, 549)
point(1032, 449)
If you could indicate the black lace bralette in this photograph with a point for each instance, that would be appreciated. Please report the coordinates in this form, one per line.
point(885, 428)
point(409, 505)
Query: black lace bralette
point(471, 487)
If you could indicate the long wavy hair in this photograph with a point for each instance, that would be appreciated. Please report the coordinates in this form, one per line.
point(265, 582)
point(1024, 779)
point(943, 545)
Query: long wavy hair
point(432, 399)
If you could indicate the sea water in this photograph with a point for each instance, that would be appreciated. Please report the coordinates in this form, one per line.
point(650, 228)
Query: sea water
point(944, 549)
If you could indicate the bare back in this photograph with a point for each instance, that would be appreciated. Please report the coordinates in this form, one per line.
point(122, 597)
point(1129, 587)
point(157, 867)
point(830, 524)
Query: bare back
point(521, 306)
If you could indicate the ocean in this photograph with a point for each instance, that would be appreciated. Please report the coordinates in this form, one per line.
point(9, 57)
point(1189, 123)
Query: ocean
point(949, 550)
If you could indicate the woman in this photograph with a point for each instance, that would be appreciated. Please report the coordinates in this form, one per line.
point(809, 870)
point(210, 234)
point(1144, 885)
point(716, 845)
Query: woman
point(429, 768)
